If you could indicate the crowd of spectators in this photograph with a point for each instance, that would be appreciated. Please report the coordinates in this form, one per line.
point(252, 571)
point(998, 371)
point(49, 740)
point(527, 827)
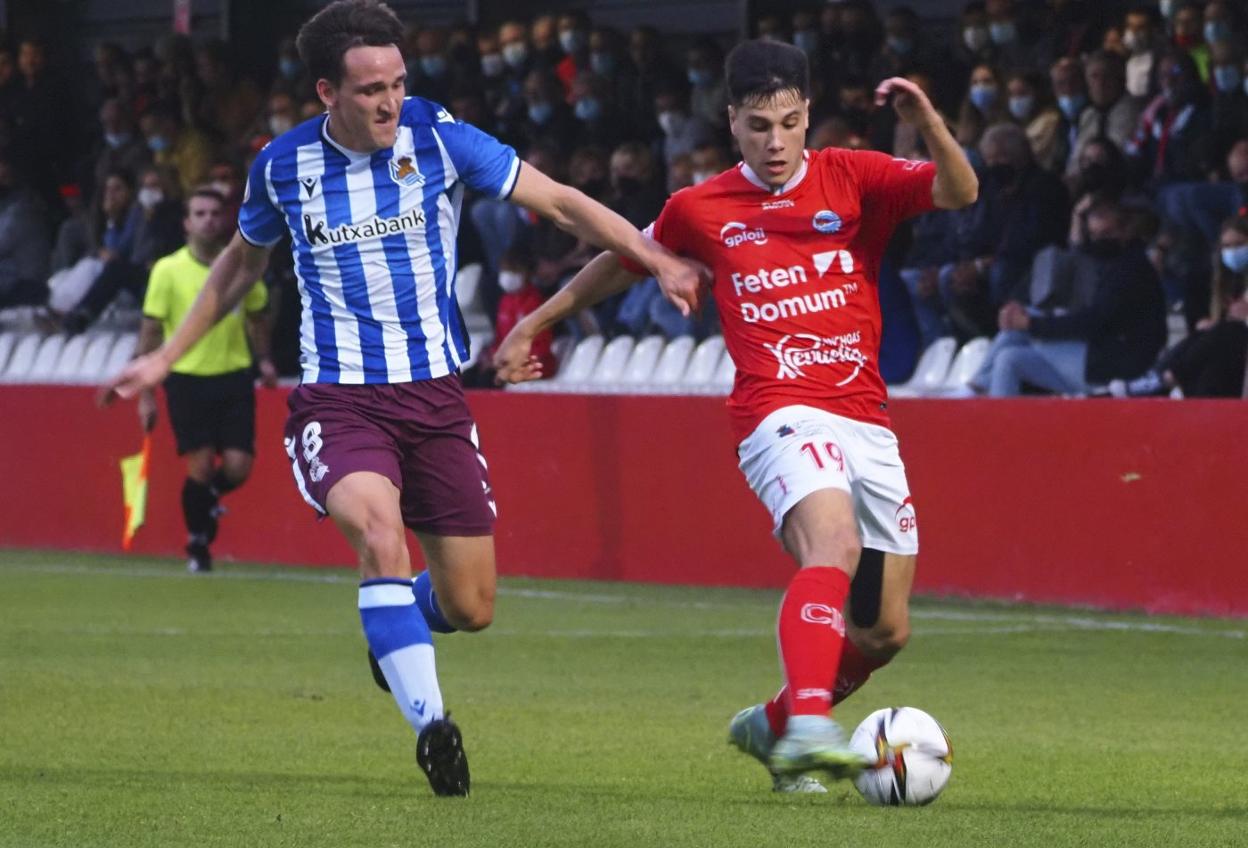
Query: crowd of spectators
point(1111, 141)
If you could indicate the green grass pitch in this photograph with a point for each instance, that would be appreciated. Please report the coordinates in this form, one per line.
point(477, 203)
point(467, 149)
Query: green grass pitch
point(141, 706)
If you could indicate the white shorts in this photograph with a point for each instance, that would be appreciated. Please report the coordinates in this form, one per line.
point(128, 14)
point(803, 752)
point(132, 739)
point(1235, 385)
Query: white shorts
point(797, 450)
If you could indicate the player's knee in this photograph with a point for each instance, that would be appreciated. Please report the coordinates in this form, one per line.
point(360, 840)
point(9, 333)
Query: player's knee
point(886, 639)
point(471, 614)
point(382, 550)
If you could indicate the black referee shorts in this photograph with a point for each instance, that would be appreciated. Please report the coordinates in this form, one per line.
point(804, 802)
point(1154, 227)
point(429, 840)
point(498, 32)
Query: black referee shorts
point(217, 412)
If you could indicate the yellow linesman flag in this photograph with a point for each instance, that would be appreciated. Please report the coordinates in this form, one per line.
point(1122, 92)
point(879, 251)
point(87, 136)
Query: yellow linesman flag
point(134, 491)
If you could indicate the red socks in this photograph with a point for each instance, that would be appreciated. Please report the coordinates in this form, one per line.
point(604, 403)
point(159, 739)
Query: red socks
point(811, 631)
point(854, 670)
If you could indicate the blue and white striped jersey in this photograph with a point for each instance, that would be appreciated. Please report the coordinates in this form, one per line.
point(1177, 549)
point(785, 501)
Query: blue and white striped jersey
point(374, 240)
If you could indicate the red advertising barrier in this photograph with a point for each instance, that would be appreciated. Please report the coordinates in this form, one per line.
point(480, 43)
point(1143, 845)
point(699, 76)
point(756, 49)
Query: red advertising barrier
point(1117, 504)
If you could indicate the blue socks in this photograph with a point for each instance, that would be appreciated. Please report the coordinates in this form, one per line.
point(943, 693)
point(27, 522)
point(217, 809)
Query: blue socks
point(399, 638)
point(427, 601)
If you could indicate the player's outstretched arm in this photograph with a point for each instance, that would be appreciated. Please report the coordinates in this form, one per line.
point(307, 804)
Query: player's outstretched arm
point(955, 185)
point(601, 278)
point(681, 279)
point(233, 273)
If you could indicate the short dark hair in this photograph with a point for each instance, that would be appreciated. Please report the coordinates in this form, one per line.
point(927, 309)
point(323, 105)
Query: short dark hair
point(207, 192)
point(758, 70)
point(330, 33)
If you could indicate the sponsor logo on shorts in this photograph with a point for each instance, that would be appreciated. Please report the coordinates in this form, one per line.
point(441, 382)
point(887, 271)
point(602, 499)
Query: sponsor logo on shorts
point(312, 444)
point(826, 221)
point(796, 352)
point(824, 614)
point(906, 519)
point(785, 430)
point(735, 234)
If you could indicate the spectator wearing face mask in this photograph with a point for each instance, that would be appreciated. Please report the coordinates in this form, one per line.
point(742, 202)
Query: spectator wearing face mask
point(292, 78)
point(1031, 107)
point(1111, 112)
point(1193, 213)
point(519, 297)
point(428, 68)
point(159, 232)
point(1141, 36)
point(682, 130)
point(548, 120)
point(708, 91)
point(598, 122)
point(857, 36)
point(1173, 138)
point(907, 50)
point(983, 106)
point(1230, 96)
point(121, 148)
point(184, 149)
point(1021, 208)
point(1067, 78)
point(280, 116)
point(1223, 24)
point(1112, 332)
point(608, 58)
point(1188, 35)
point(655, 70)
point(1210, 362)
point(573, 32)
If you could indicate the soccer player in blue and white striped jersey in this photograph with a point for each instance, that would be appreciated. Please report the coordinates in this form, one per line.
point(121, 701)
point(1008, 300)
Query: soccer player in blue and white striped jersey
point(379, 434)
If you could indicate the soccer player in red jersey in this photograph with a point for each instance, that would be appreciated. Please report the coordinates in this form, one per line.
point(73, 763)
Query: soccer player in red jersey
point(794, 238)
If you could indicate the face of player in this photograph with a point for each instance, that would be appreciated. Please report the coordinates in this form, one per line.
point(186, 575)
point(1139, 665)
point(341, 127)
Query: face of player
point(205, 221)
point(364, 108)
point(772, 135)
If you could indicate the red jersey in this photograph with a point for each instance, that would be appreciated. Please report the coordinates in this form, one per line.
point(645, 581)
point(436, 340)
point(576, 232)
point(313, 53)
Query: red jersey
point(796, 276)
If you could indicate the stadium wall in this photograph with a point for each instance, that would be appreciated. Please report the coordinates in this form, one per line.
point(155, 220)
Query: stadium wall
point(1115, 504)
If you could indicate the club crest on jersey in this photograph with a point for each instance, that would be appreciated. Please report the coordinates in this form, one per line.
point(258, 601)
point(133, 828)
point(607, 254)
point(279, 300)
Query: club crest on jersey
point(404, 172)
point(735, 234)
point(826, 221)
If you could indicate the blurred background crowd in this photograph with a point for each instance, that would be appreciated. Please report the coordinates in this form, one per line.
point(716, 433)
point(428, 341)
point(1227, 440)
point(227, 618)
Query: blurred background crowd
point(1107, 253)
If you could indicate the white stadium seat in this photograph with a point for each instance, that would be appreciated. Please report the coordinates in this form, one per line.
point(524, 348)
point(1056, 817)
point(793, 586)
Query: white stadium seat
point(95, 357)
point(66, 370)
point(640, 368)
point(967, 361)
point(471, 303)
point(931, 371)
point(8, 340)
point(703, 363)
point(22, 358)
point(673, 362)
point(611, 364)
point(122, 351)
point(44, 365)
point(725, 373)
point(561, 347)
point(581, 361)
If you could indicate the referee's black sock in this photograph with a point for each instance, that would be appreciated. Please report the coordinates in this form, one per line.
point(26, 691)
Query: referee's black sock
point(221, 484)
point(197, 505)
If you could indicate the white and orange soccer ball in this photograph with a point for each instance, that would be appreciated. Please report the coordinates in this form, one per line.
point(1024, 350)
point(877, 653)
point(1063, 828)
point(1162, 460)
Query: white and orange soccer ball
point(908, 754)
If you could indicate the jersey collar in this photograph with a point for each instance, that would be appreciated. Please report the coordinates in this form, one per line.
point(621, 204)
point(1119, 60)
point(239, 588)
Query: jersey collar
point(345, 151)
point(748, 173)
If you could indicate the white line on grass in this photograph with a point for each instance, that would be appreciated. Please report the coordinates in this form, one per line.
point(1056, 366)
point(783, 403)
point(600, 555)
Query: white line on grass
point(1009, 620)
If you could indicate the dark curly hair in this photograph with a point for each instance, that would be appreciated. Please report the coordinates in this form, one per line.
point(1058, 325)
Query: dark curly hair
point(330, 33)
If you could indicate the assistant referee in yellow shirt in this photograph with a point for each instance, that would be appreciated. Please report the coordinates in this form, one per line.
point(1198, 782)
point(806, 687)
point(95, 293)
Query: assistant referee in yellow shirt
point(210, 392)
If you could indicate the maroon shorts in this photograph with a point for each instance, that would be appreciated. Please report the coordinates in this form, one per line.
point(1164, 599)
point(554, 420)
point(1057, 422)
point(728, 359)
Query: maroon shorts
point(420, 435)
